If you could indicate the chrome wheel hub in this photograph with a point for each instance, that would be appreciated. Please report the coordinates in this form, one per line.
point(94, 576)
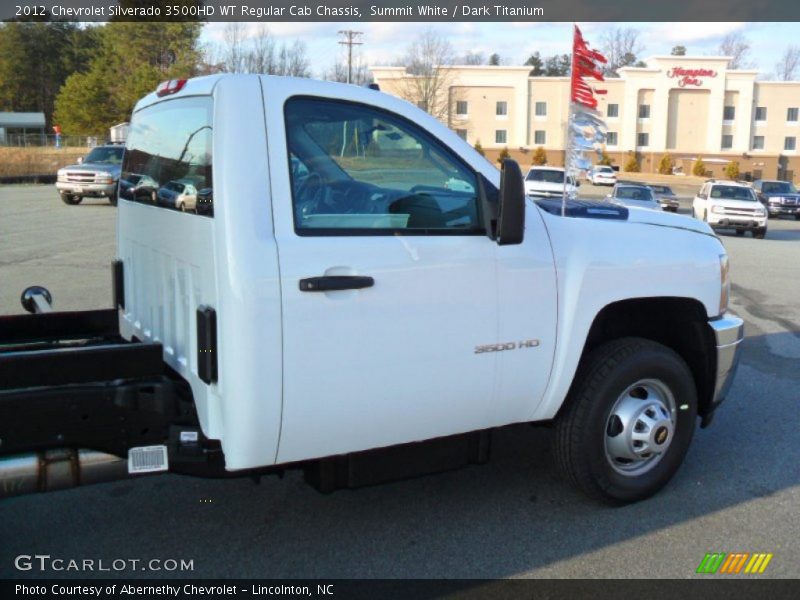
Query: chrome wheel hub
point(640, 427)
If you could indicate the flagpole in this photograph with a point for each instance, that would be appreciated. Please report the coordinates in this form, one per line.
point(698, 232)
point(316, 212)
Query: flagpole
point(568, 137)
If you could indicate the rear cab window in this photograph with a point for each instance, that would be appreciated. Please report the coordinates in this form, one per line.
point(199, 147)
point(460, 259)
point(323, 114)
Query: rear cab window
point(168, 158)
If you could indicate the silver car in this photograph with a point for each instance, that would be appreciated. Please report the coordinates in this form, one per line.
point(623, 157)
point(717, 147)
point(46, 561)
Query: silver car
point(634, 196)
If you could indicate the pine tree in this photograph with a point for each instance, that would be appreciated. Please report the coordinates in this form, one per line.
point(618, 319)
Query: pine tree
point(699, 168)
point(479, 148)
point(732, 170)
point(632, 164)
point(539, 156)
point(666, 164)
point(504, 154)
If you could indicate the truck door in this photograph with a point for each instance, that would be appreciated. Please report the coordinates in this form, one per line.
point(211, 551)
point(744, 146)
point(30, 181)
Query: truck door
point(388, 281)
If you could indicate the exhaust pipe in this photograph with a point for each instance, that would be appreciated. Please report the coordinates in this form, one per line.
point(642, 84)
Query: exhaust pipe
point(58, 470)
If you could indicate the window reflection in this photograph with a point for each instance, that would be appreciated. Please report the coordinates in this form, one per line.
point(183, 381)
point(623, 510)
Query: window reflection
point(168, 158)
point(356, 169)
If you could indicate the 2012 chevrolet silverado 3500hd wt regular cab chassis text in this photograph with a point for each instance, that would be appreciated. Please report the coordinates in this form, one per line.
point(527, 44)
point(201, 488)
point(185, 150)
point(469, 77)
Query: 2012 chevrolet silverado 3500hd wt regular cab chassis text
point(332, 301)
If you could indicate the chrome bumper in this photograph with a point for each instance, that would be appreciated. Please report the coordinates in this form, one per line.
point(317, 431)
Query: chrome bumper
point(728, 333)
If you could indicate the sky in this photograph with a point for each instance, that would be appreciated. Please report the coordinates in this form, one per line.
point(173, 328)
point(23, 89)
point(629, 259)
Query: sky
point(514, 42)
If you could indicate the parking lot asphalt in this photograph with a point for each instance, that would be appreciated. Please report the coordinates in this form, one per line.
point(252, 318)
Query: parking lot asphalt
point(738, 491)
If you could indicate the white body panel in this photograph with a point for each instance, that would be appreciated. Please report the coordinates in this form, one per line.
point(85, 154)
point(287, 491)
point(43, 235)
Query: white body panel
point(600, 262)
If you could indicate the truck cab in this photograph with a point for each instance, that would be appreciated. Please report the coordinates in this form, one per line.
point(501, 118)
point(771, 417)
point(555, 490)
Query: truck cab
point(339, 295)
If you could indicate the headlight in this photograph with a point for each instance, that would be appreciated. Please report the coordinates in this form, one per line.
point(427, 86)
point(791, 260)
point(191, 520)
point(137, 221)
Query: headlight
point(725, 283)
point(720, 210)
point(760, 212)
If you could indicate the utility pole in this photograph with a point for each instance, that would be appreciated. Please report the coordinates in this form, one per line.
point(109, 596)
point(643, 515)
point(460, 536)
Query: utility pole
point(350, 39)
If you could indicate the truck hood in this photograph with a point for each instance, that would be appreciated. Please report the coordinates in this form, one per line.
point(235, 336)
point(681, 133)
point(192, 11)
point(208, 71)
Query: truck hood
point(667, 219)
point(93, 168)
point(594, 209)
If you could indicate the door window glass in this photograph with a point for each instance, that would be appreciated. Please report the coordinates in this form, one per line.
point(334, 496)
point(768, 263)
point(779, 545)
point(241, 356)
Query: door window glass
point(358, 170)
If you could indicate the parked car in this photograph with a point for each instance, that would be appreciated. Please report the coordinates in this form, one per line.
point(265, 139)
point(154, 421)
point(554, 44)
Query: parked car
point(730, 205)
point(179, 193)
point(141, 188)
point(549, 182)
point(779, 197)
point(95, 176)
point(666, 197)
point(601, 175)
point(634, 196)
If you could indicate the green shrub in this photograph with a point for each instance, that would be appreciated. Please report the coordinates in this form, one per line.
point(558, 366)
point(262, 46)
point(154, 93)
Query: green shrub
point(479, 148)
point(504, 154)
point(632, 164)
point(732, 170)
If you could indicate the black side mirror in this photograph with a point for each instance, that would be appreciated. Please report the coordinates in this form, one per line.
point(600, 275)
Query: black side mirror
point(511, 221)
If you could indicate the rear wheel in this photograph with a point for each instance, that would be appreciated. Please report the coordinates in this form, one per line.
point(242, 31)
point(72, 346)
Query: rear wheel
point(628, 422)
point(797, 217)
point(182, 207)
point(740, 232)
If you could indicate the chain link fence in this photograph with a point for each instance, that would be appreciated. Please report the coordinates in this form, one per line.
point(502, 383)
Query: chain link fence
point(48, 140)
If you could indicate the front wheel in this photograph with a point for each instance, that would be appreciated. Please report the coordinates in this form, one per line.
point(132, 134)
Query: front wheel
point(760, 233)
point(628, 421)
point(71, 199)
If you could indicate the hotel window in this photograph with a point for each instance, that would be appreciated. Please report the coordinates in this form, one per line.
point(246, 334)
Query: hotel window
point(461, 107)
point(462, 133)
point(611, 138)
point(729, 113)
point(541, 109)
point(643, 140)
point(761, 113)
point(500, 136)
point(791, 115)
point(758, 142)
point(790, 143)
point(727, 141)
point(501, 109)
point(540, 137)
point(644, 111)
point(612, 112)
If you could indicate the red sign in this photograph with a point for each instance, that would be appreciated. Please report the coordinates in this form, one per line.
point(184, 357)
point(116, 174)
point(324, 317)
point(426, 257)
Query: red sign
point(690, 76)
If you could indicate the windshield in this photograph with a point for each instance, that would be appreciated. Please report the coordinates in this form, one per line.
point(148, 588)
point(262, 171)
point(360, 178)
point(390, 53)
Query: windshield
point(604, 169)
point(174, 186)
point(545, 175)
point(732, 192)
point(661, 189)
point(105, 155)
point(778, 187)
point(634, 193)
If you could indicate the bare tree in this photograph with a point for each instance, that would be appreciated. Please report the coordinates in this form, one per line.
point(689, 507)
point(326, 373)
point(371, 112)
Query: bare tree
point(258, 53)
point(233, 51)
point(338, 72)
point(737, 47)
point(473, 58)
point(428, 61)
point(620, 45)
point(789, 65)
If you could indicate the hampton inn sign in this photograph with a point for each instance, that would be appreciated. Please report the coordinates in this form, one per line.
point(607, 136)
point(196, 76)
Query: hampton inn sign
point(687, 77)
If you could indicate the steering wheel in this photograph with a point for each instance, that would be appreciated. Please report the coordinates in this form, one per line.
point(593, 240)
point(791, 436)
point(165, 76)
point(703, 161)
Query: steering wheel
point(309, 195)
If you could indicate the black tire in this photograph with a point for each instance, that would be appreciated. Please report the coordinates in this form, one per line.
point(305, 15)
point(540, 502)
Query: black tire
point(760, 234)
point(585, 424)
point(182, 207)
point(71, 199)
point(740, 232)
point(797, 217)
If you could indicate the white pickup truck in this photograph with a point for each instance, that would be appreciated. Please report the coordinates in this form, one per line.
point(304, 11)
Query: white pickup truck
point(331, 303)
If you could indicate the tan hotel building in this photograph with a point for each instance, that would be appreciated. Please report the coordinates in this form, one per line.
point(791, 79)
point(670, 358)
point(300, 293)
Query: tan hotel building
point(688, 106)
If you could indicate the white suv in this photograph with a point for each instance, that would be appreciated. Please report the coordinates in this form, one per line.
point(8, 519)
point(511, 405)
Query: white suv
point(549, 182)
point(730, 205)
